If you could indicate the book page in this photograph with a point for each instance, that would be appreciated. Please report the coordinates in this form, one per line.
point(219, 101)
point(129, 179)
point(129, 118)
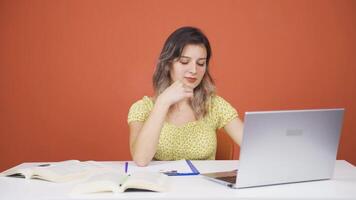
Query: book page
point(101, 182)
point(63, 168)
point(153, 181)
point(26, 173)
point(57, 171)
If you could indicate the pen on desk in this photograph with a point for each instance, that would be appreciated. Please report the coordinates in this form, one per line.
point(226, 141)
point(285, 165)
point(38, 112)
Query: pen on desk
point(176, 173)
point(126, 166)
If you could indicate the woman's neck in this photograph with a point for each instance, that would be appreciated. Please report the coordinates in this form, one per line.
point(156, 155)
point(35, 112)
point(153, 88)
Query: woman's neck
point(182, 104)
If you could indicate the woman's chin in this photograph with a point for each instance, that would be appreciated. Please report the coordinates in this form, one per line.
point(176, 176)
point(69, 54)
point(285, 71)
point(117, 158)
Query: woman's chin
point(193, 86)
point(190, 84)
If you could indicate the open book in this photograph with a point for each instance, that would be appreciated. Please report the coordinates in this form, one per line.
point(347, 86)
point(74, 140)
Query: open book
point(119, 182)
point(63, 171)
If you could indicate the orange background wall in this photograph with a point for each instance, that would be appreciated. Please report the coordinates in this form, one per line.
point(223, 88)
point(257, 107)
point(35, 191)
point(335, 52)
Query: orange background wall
point(69, 70)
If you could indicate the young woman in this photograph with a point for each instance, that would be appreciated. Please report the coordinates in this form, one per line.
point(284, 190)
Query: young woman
point(181, 120)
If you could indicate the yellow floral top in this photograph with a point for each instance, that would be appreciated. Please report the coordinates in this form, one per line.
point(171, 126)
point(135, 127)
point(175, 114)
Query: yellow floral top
point(194, 140)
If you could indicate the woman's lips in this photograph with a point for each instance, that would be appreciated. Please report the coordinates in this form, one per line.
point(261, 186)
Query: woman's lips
point(191, 80)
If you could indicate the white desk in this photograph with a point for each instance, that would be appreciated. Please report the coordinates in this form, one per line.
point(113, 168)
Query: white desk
point(342, 186)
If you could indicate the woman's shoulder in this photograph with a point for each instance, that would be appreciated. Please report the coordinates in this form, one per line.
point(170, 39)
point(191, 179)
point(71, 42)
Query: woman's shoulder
point(146, 99)
point(144, 102)
point(217, 100)
point(222, 112)
point(219, 104)
point(140, 109)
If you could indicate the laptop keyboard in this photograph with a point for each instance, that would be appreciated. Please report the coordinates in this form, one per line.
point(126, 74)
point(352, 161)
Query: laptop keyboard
point(230, 179)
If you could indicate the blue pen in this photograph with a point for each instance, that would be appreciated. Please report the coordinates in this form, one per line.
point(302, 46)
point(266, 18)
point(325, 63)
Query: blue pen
point(126, 166)
point(181, 174)
point(191, 166)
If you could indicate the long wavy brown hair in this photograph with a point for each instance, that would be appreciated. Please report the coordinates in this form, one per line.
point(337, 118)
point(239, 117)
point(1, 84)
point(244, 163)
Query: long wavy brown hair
point(172, 49)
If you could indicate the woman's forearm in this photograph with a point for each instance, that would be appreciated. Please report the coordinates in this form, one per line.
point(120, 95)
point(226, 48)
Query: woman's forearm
point(145, 145)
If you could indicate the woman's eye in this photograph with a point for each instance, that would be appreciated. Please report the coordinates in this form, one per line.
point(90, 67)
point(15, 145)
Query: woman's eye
point(184, 62)
point(201, 64)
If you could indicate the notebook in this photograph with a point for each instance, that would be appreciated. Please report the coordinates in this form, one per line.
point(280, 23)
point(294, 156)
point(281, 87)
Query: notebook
point(285, 147)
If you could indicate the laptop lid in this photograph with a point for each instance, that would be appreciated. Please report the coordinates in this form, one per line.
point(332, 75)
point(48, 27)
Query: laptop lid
point(288, 146)
point(285, 147)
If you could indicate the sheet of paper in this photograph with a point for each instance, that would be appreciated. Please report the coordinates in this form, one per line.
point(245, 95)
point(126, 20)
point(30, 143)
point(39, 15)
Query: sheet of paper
point(209, 166)
point(180, 166)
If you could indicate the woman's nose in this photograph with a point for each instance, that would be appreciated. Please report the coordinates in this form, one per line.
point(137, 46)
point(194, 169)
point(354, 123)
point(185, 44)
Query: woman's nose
point(193, 68)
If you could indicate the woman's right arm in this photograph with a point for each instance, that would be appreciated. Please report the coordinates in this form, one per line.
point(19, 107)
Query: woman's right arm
point(144, 136)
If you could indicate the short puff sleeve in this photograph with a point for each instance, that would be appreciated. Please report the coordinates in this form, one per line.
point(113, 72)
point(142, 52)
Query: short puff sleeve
point(140, 110)
point(223, 112)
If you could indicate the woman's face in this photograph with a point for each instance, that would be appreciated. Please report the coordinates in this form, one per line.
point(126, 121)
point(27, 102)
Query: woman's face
point(190, 67)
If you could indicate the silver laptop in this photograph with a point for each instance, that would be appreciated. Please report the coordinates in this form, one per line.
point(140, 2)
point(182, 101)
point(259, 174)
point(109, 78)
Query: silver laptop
point(285, 147)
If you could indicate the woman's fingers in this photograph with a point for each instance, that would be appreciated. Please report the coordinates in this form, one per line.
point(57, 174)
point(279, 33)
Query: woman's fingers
point(189, 92)
point(178, 91)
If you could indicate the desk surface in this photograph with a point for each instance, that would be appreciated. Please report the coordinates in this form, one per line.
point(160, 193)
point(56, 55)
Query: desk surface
point(342, 186)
